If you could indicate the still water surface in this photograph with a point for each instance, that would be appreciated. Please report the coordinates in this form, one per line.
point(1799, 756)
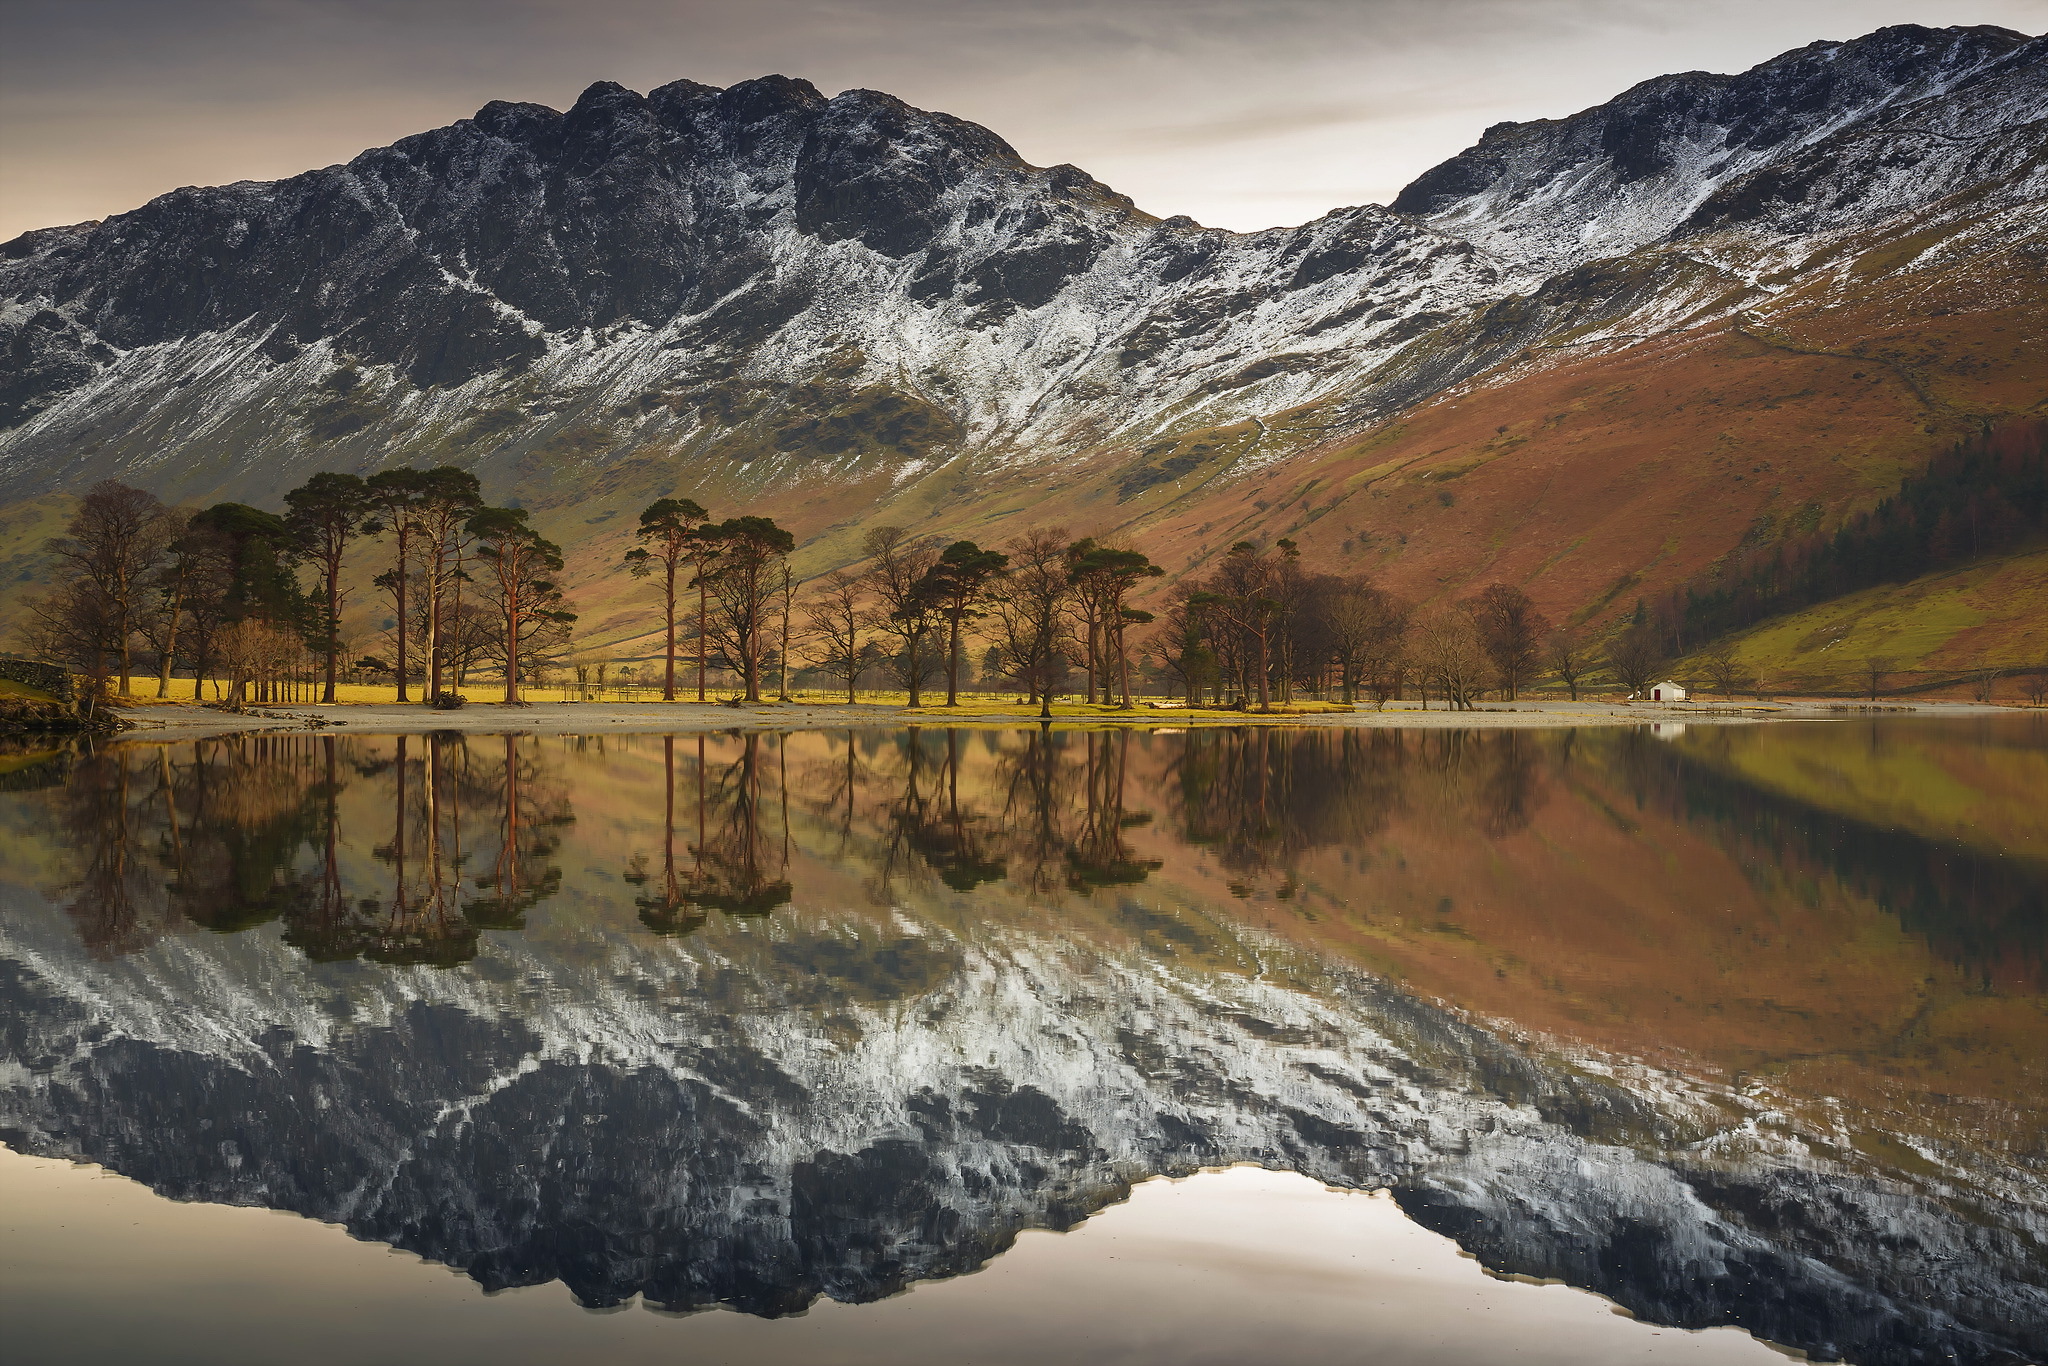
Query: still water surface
point(1739, 1028)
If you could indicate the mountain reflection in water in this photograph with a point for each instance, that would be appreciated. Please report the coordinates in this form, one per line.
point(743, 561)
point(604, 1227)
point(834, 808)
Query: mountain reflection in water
point(1736, 1026)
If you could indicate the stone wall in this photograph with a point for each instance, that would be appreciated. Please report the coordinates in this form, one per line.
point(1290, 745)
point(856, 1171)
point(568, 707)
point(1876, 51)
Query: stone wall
point(53, 679)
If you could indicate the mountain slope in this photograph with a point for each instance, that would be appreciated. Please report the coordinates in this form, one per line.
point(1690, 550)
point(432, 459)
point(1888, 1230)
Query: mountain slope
point(848, 311)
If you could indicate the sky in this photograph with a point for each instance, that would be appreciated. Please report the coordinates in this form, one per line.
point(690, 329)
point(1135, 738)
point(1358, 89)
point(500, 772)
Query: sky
point(1241, 115)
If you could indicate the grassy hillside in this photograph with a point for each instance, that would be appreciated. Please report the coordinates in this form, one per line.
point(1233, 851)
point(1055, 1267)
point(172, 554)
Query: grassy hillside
point(1990, 615)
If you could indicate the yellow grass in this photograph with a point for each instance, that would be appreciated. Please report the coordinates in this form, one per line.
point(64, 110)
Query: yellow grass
point(971, 704)
point(1010, 706)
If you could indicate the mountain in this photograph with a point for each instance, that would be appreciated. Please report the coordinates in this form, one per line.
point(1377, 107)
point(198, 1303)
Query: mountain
point(849, 311)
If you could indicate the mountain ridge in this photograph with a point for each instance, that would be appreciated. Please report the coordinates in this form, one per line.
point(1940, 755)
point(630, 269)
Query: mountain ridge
point(761, 295)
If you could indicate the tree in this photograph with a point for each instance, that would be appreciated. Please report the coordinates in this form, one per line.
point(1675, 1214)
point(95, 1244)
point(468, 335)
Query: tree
point(172, 584)
point(252, 551)
point(785, 600)
point(256, 655)
point(396, 494)
point(448, 498)
point(1449, 653)
point(1361, 626)
point(1722, 668)
point(956, 585)
point(322, 516)
point(1289, 593)
point(1181, 646)
point(1875, 668)
point(1030, 610)
point(522, 565)
point(668, 539)
point(897, 565)
point(1511, 631)
point(1104, 577)
point(1635, 656)
point(750, 551)
point(111, 550)
point(205, 564)
point(837, 615)
point(1240, 595)
point(1570, 658)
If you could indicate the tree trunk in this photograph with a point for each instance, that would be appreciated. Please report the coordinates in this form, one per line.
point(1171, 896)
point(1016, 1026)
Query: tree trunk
point(511, 636)
point(1123, 666)
point(398, 596)
point(432, 688)
point(163, 667)
point(782, 685)
point(1095, 659)
point(953, 662)
point(333, 624)
point(668, 679)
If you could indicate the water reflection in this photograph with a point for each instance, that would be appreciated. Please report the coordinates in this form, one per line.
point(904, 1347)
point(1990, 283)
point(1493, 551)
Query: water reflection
point(1735, 1026)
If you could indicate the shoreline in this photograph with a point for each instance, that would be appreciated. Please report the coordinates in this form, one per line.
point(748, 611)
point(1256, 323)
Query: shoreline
point(159, 721)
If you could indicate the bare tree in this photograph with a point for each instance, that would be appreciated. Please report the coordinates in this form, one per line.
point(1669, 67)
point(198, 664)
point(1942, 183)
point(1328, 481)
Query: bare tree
point(1361, 626)
point(1239, 598)
point(1030, 611)
point(897, 566)
point(1511, 631)
point(836, 616)
point(1635, 656)
point(1570, 657)
point(1450, 654)
point(111, 551)
point(1875, 667)
point(1723, 669)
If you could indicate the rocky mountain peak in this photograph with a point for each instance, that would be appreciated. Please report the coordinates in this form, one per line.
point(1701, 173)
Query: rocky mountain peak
point(1558, 192)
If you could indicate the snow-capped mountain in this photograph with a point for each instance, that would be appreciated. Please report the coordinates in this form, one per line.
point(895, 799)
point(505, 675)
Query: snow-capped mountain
point(758, 284)
point(1835, 135)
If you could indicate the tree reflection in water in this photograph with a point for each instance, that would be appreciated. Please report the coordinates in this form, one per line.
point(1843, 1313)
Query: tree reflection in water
point(406, 849)
point(230, 834)
point(732, 866)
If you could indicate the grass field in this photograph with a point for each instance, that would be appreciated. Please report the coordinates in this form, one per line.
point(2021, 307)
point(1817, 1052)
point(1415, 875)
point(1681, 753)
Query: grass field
point(1984, 616)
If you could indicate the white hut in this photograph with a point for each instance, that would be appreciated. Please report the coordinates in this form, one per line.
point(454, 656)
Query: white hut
point(1667, 691)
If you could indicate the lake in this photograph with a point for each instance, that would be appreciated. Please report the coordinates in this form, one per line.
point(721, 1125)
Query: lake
point(995, 1044)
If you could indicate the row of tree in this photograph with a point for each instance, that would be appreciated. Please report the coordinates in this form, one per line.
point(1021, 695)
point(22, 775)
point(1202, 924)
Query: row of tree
point(219, 588)
point(1046, 605)
point(467, 583)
